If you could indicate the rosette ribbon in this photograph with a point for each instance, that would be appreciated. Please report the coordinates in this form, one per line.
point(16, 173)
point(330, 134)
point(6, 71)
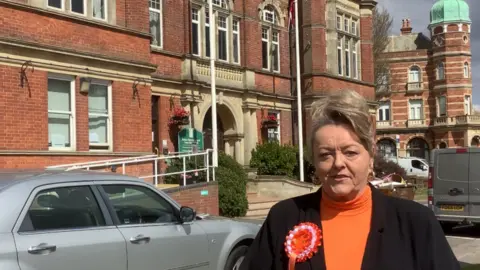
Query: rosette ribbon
point(302, 243)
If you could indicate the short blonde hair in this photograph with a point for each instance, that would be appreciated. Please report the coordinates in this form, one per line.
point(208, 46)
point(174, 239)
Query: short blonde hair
point(344, 107)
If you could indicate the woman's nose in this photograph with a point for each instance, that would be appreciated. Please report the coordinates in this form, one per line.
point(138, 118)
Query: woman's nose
point(339, 161)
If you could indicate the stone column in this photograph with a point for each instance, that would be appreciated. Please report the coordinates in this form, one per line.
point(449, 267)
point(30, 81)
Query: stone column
point(250, 133)
point(238, 152)
point(366, 34)
point(227, 147)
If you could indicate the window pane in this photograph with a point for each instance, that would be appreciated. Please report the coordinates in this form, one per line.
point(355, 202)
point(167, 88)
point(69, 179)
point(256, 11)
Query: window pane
point(77, 6)
point(236, 53)
point(347, 64)
point(207, 41)
point(155, 28)
point(265, 54)
point(55, 3)
point(59, 130)
point(354, 65)
point(222, 45)
point(64, 208)
point(59, 95)
point(195, 47)
point(155, 4)
point(139, 205)
point(99, 9)
point(98, 99)
point(275, 54)
point(339, 54)
point(98, 129)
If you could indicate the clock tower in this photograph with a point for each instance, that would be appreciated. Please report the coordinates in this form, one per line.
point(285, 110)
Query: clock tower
point(451, 58)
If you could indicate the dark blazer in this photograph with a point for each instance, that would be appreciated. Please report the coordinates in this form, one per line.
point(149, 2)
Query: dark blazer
point(404, 235)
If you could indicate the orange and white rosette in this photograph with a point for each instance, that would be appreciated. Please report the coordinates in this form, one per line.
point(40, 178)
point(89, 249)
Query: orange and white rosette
point(302, 243)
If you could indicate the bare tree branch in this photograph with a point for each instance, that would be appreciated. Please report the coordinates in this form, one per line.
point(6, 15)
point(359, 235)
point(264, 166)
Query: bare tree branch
point(382, 24)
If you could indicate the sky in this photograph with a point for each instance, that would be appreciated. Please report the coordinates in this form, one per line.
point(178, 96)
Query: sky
point(418, 11)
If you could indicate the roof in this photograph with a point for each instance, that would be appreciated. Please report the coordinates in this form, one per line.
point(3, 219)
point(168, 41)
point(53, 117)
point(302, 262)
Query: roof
point(38, 176)
point(408, 42)
point(445, 11)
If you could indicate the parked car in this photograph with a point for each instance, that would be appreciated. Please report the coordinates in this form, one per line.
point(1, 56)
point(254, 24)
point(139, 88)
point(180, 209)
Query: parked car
point(412, 165)
point(454, 186)
point(77, 220)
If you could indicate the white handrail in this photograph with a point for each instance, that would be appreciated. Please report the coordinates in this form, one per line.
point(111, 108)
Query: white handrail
point(145, 159)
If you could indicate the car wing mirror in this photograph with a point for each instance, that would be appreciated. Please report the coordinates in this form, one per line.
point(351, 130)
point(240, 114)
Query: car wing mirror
point(187, 214)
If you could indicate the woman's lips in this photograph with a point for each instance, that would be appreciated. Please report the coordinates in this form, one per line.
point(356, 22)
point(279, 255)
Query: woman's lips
point(340, 177)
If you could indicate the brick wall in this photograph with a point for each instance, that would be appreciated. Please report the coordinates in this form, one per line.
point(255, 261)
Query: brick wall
point(191, 196)
point(24, 114)
point(48, 29)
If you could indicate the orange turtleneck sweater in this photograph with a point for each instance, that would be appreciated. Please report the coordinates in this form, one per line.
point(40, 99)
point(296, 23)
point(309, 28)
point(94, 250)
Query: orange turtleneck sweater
point(345, 229)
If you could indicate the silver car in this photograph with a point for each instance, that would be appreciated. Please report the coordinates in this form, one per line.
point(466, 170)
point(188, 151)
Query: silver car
point(81, 220)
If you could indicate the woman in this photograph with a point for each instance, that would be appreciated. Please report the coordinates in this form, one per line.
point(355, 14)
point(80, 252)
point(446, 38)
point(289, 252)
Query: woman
point(347, 224)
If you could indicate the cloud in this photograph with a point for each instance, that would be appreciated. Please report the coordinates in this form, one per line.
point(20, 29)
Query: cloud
point(418, 11)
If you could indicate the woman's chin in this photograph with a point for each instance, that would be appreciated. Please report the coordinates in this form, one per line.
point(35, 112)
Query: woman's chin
point(340, 190)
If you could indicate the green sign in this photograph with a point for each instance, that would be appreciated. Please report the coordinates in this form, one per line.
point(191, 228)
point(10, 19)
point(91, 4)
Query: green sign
point(190, 140)
point(204, 192)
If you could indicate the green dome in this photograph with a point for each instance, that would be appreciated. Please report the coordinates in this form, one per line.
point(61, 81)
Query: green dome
point(444, 11)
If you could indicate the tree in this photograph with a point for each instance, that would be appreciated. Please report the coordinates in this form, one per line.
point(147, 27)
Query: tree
point(382, 24)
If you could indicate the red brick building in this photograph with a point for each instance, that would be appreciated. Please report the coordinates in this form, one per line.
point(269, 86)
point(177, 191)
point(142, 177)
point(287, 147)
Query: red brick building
point(426, 100)
point(91, 79)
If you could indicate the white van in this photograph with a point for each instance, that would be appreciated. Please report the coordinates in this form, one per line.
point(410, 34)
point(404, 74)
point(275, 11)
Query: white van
point(412, 165)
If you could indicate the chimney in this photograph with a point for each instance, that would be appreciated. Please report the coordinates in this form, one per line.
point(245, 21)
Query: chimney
point(406, 27)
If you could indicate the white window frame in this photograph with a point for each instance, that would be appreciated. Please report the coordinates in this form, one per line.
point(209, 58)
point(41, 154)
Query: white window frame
point(347, 62)
point(219, 3)
point(109, 114)
point(236, 31)
point(439, 110)
point(105, 8)
point(62, 8)
point(71, 79)
point(346, 24)
point(467, 104)
point(416, 104)
point(339, 22)
point(227, 41)
point(199, 29)
point(277, 42)
point(354, 64)
point(277, 130)
point(382, 111)
point(440, 71)
point(204, 30)
point(160, 21)
point(268, 11)
point(414, 72)
point(84, 14)
point(353, 29)
point(266, 39)
point(466, 70)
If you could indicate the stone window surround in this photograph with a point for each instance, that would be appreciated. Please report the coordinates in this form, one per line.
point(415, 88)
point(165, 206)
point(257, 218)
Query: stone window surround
point(412, 68)
point(353, 46)
point(272, 29)
point(422, 108)
point(440, 70)
point(202, 9)
point(160, 13)
point(383, 105)
point(439, 108)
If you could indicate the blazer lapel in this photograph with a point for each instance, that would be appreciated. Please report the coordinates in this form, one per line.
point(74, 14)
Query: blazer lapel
point(317, 262)
point(377, 230)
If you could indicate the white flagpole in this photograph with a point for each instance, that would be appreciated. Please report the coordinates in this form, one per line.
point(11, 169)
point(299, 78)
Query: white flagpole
point(299, 93)
point(212, 82)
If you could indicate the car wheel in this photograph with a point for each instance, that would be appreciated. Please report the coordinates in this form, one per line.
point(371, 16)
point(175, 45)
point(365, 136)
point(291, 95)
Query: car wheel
point(236, 258)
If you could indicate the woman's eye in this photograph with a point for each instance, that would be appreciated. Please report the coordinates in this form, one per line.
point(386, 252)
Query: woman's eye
point(351, 153)
point(324, 155)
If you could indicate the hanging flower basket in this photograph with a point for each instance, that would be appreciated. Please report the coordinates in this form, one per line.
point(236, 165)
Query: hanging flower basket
point(270, 122)
point(179, 117)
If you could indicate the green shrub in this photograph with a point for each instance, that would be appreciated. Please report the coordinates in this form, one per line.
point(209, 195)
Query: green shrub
point(274, 159)
point(191, 163)
point(232, 187)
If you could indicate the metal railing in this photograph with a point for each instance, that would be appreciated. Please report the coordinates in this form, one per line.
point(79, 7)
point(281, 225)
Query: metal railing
point(124, 162)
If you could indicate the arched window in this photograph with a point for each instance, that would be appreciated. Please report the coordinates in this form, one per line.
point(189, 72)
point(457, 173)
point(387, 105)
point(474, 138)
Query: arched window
point(440, 71)
point(386, 148)
point(414, 74)
point(270, 40)
point(466, 70)
point(418, 147)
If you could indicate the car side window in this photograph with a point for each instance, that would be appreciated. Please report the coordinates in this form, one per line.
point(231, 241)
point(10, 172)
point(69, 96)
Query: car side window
point(139, 205)
point(417, 164)
point(63, 208)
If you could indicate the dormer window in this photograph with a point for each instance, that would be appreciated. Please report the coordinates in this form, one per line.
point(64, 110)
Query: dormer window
point(269, 15)
point(219, 3)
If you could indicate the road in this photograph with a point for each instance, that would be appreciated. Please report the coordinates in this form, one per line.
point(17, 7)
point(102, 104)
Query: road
point(465, 243)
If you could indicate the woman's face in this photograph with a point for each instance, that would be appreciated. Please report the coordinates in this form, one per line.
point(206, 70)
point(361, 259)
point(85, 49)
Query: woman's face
point(342, 163)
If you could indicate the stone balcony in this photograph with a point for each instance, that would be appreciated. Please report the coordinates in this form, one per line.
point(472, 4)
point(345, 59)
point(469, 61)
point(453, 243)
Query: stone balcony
point(416, 123)
point(413, 87)
point(384, 124)
point(227, 75)
point(457, 120)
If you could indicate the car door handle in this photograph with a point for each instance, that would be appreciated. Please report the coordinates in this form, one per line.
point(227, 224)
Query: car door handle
point(42, 248)
point(455, 191)
point(140, 239)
